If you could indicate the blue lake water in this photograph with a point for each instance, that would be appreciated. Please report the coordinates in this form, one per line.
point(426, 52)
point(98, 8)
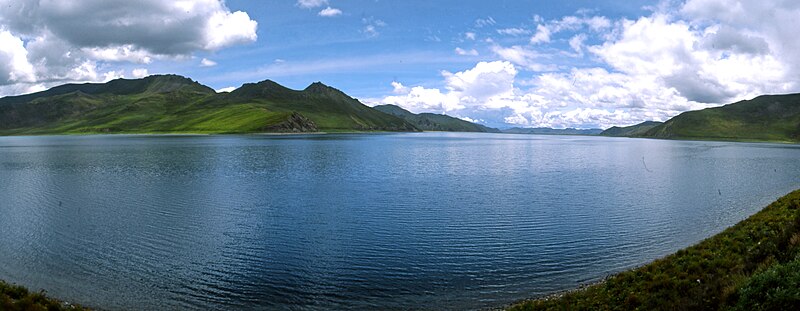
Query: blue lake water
point(360, 221)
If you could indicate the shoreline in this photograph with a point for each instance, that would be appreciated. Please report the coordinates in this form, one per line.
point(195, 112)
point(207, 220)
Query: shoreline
point(716, 263)
point(17, 297)
point(693, 139)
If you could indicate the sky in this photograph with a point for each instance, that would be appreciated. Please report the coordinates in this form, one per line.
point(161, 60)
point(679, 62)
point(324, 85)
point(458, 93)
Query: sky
point(502, 63)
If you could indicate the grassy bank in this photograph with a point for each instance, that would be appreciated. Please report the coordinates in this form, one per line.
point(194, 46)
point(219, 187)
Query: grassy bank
point(754, 265)
point(13, 298)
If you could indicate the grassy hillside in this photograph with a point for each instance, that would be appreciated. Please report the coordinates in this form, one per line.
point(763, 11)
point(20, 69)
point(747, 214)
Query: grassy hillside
point(329, 108)
point(174, 104)
point(765, 118)
point(435, 122)
point(550, 131)
point(631, 131)
point(754, 265)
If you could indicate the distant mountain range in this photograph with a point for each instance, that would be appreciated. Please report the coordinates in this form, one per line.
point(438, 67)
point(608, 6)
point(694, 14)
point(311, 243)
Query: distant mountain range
point(435, 122)
point(175, 104)
point(764, 118)
point(551, 131)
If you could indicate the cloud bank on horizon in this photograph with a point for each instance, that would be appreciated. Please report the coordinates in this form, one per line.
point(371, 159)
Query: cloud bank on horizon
point(585, 68)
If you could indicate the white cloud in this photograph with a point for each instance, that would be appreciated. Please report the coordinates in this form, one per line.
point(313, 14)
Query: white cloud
point(371, 26)
point(468, 119)
point(542, 35)
point(463, 52)
point(590, 71)
point(513, 31)
point(309, 4)
point(226, 89)
point(485, 22)
point(398, 88)
point(14, 65)
point(225, 29)
point(124, 53)
point(576, 43)
point(139, 73)
point(522, 56)
point(486, 82)
point(673, 54)
point(80, 41)
point(330, 12)
point(205, 62)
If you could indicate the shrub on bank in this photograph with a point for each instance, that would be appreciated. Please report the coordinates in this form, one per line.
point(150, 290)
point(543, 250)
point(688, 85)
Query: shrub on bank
point(18, 298)
point(746, 265)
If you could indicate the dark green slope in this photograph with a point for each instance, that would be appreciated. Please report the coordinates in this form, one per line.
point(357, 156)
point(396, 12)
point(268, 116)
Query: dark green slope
point(121, 105)
point(631, 131)
point(174, 104)
point(435, 122)
point(764, 118)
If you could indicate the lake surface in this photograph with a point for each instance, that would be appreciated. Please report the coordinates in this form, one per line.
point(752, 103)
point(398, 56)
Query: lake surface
point(355, 221)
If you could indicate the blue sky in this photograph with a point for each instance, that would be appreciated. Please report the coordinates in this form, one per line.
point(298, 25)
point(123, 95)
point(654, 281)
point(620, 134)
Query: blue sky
point(501, 63)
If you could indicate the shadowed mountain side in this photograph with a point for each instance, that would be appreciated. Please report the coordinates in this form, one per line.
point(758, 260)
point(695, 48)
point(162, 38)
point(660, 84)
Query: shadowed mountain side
point(435, 122)
point(630, 131)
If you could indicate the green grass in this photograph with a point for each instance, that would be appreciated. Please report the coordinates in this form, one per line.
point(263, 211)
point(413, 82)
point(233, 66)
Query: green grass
point(172, 104)
point(750, 266)
point(17, 298)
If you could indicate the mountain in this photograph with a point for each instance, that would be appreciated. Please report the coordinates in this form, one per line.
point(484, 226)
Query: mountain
point(631, 131)
point(550, 131)
point(434, 122)
point(175, 104)
point(329, 108)
point(764, 118)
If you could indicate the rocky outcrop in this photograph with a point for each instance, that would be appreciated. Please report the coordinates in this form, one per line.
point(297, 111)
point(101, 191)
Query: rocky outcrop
point(295, 123)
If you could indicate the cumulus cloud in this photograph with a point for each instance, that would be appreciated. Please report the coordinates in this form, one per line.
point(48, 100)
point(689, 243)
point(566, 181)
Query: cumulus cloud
point(330, 12)
point(486, 82)
point(592, 71)
point(675, 54)
point(14, 65)
point(139, 72)
point(205, 62)
point(67, 41)
point(226, 89)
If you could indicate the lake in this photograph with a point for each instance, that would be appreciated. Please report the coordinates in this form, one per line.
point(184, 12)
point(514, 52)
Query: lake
point(361, 221)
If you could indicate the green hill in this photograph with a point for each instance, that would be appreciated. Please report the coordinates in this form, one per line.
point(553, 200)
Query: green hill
point(551, 131)
point(174, 104)
point(435, 122)
point(630, 131)
point(764, 118)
